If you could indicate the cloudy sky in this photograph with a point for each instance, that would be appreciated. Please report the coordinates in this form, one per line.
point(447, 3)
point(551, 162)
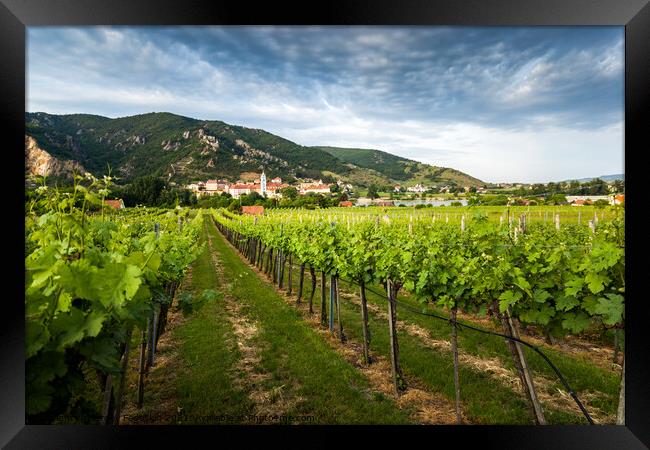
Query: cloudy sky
point(501, 104)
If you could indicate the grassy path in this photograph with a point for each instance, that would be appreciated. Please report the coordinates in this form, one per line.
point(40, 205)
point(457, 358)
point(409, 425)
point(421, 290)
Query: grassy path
point(248, 357)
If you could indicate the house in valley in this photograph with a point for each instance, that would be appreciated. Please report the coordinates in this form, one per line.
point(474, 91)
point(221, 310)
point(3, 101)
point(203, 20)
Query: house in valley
point(116, 204)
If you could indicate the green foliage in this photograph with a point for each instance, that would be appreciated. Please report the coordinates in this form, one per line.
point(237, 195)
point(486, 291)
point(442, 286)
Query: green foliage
point(373, 191)
point(290, 193)
point(188, 304)
point(556, 199)
point(563, 280)
point(88, 279)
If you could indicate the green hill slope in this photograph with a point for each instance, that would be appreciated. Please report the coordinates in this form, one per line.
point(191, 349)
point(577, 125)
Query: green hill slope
point(183, 149)
point(180, 148)
point(398, 169)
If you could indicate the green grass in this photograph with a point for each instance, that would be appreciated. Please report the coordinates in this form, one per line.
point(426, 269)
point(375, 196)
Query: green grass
point(202, 381)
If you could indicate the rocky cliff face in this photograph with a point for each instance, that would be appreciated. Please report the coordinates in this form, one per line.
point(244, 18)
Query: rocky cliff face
point(40, 162)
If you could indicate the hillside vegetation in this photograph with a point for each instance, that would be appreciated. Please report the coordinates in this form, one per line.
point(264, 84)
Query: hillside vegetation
point(394, 168)
point(183, 149)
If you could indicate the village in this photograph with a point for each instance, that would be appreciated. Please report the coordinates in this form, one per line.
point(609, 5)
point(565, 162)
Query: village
point(269, 189)
point(273, 189)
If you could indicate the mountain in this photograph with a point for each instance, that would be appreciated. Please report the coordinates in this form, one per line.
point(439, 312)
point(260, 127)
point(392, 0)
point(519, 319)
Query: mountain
point(397, 169)
point(184, 150)
point(618, 176)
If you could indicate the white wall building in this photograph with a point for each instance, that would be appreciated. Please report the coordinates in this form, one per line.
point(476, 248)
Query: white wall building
point(417, 188)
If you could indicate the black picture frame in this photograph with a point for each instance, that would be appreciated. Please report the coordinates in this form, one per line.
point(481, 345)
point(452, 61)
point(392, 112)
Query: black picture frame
point(634, 15)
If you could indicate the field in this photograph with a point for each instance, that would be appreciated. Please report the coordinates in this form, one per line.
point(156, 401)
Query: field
point(344, 315)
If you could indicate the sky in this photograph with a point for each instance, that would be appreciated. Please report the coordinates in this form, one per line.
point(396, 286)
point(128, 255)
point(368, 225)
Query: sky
point(503, 104)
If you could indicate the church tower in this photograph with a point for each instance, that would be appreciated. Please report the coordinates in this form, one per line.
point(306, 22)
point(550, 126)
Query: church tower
point(263, 183)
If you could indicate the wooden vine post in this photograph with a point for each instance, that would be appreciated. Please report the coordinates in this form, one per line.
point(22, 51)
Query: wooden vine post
point(109, 403)
point(454, 350)
point(364, 321)
point(323, 308)
point(331, 305)
point(312, 273)
point(398, 377)
point(289, 281)
point(301, 281)
point(338, 309)
point(153, 324)
point(620, 413)
point(280, 268)
point(143, 347)
point(125, 365)
point(525, 369)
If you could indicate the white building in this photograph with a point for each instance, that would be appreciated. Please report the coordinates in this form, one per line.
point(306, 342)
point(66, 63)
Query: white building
point(239, 189)
point(315, 188)
point(417, 188)
point(591, 198)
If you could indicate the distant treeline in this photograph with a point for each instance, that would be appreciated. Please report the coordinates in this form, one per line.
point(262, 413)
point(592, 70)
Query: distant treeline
point(593, 187)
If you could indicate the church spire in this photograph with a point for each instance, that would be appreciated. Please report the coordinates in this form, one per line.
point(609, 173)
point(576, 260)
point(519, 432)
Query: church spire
point(263, 182)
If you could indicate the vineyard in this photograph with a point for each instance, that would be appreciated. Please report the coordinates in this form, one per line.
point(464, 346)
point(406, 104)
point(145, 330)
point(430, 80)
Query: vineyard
point(95, 282)
point(378, 315)
point(560, 279)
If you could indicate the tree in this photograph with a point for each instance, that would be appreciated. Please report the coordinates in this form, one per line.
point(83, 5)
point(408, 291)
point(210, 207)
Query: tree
point(619, 186)
point(556, 199)
point(290, 192)
point(145, 190)
point(372, 191)
point(251, 199)
point(335, 188)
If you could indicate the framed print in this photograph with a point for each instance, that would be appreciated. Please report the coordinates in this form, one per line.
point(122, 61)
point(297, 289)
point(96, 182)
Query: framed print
point(325, 218)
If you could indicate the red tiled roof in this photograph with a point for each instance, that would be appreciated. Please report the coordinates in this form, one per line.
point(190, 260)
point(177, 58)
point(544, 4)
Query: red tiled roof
point(117, 204)
point(347, 203)
point(253, 210)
